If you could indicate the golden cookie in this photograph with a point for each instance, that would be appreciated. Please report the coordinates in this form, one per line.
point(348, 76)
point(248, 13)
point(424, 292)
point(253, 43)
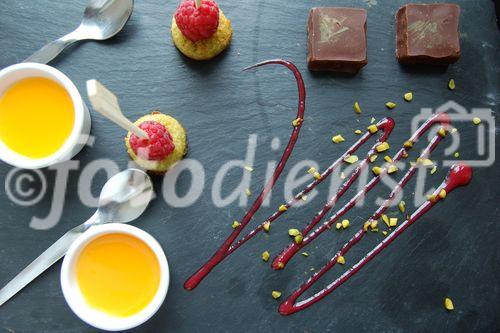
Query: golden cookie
point(207, 48)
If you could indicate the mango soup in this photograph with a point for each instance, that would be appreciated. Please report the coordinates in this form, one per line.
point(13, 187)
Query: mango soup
point(118, 274)
point(36, 117)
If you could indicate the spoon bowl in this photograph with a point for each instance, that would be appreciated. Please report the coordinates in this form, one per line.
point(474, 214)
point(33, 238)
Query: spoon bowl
point(102, 19)
point(125, 196)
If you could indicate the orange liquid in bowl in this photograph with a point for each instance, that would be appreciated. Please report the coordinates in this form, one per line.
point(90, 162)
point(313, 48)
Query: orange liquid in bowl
point(118, 274)
point(36, 117)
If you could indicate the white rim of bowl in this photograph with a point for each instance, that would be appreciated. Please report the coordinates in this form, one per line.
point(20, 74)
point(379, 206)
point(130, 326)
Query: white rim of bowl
point(97, 318)
point(64, 152)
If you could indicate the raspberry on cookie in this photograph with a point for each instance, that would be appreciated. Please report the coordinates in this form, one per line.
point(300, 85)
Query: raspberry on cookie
point(200, 30)
point(167, 143)
point(159, 145)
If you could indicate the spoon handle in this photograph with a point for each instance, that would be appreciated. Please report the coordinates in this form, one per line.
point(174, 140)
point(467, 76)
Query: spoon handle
point(55, 252)
point(51, 50)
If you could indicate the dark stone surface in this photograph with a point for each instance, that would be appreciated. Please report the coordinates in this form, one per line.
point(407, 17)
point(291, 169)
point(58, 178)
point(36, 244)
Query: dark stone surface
point(453, 251)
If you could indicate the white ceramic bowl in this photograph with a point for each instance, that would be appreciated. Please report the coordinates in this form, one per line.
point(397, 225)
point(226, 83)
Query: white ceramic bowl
point(81, 128)
point(75, 299)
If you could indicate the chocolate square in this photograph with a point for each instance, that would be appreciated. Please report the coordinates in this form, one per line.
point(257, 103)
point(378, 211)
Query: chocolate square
point(428, 34)
point(336, 39)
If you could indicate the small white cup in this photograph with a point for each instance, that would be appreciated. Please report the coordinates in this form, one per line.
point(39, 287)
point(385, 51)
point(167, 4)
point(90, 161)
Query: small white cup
point(76, 300)
point(81, 127)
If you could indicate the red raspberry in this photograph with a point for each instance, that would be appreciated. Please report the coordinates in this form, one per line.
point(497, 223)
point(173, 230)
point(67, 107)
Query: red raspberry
point(159, 145)
point(197, 23)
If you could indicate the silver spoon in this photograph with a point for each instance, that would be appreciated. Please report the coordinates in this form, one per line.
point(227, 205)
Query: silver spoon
point(123, 198)
point(102, 19)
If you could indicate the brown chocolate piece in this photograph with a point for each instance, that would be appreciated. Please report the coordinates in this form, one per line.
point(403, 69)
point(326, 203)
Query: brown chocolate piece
point(336, 39)
point(428, 34)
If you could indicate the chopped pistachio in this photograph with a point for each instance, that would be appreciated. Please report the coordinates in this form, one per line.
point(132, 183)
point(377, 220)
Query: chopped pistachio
point(383, 146)
point(402, 206)
point(408, 96)
point(297, 122)
point(457, 154)
point(390, 105)
point(266, 226)
point(293, 232)
point(392, 168)
point(311, 170)
point(384, 233)
point(404, 154)
point(357, 108)
point(408, 144)
point(276, 294)
point(431, 198)
point(305, 254)
point(357, 132)
point(448, 304)
point(248, 192)
point(345, 224)
point(434, 169)
point(281, 265)
point(442, 132)
point(442, 193)
point(265, 256)
point(366, 225)
point(341, 260)
point(388, 159)
point(453, 130)
point(342, 175)
point(372, 120)
point(476, 121)
point(298, 239)
point(373, 157)
point(338, 138)
point(283, 208)
point(303, 197)
point(451, 84)
point(351, 159)
point(316, 175)
point(425, 161)
point(338, 225)
point(235, 224)
point(372, 129)
point(248, 168)
point(374, 224)
point(377, 170)
point(385, 219)
point(393, 221)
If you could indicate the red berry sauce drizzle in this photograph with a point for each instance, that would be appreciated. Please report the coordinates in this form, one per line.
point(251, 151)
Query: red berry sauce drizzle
point(459, 175)
point(222, 252)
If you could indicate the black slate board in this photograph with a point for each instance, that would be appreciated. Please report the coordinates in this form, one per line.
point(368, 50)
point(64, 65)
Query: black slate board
point(453, 251)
